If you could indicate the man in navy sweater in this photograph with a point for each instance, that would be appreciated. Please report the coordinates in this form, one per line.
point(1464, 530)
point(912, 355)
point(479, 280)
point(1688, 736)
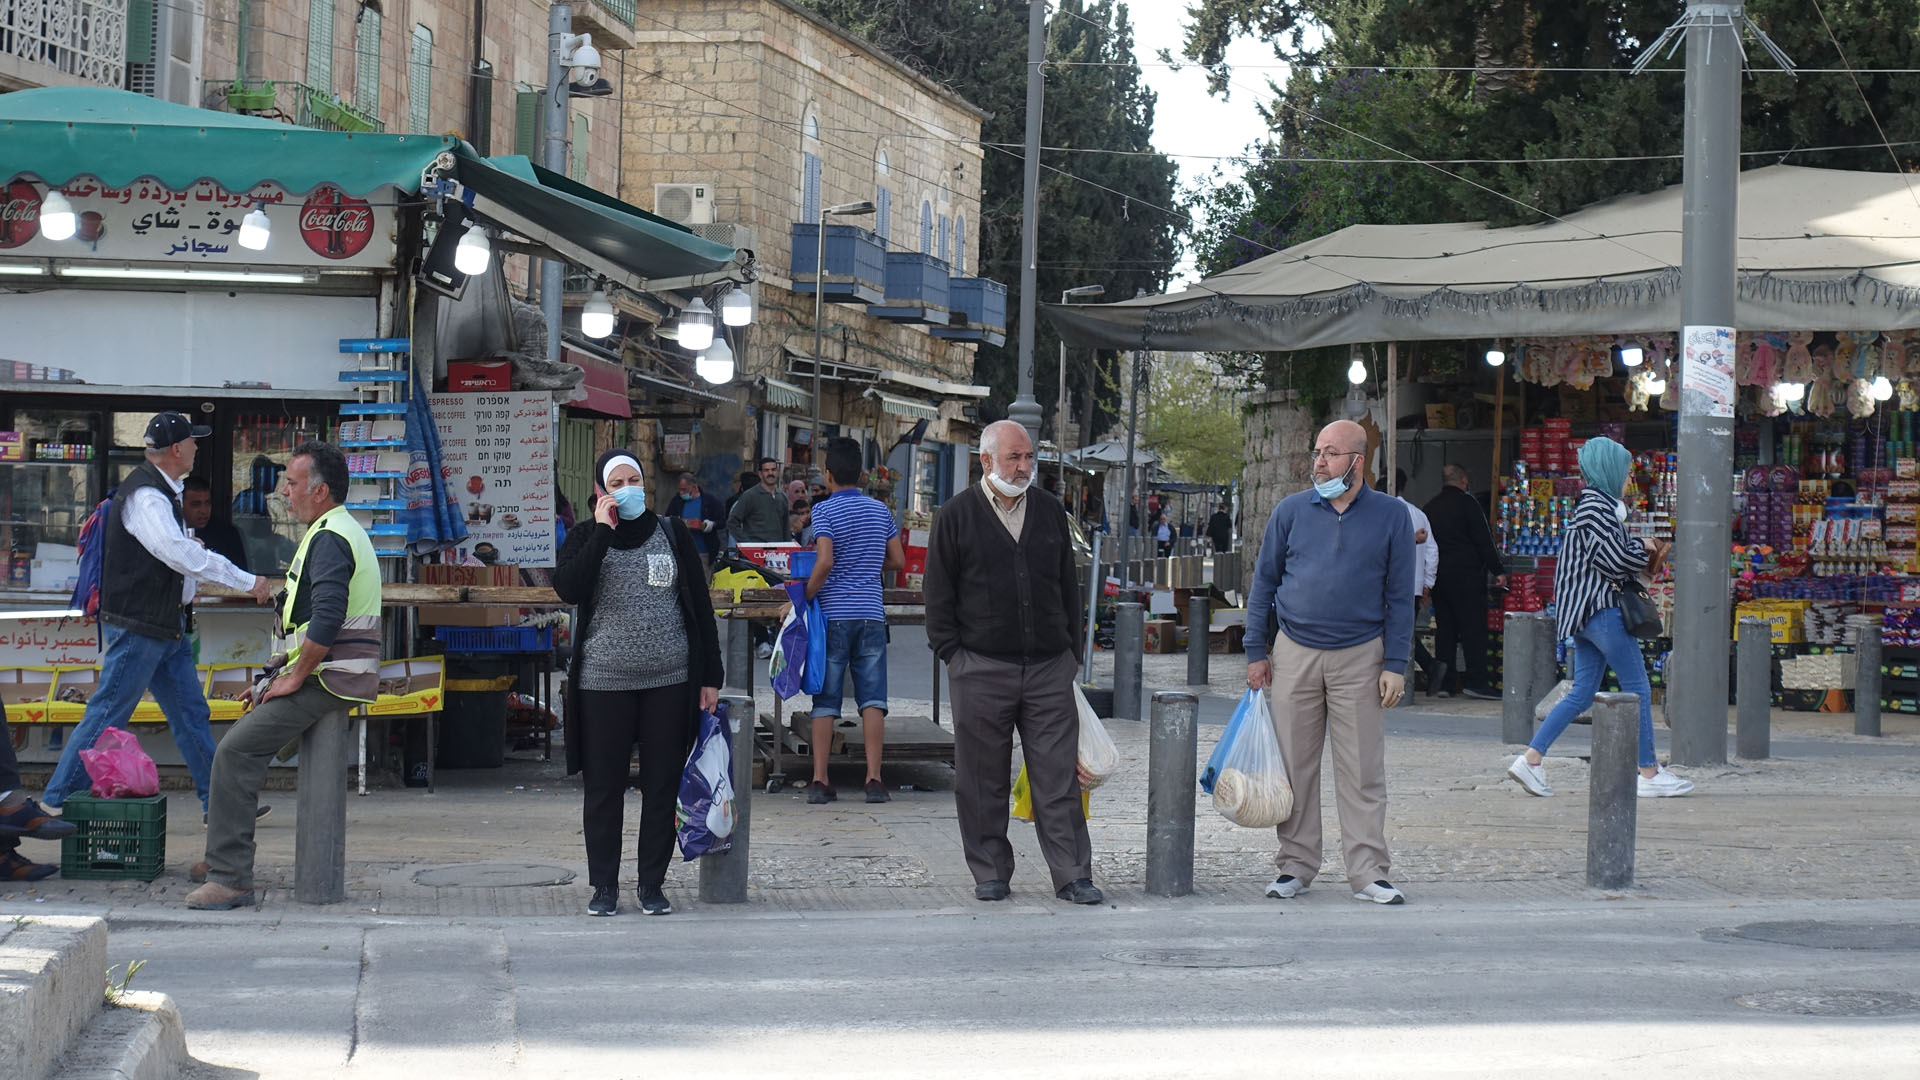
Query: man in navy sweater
point(1336, 572)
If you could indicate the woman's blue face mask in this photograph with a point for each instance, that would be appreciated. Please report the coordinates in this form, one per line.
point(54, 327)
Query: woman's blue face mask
point(630, 501)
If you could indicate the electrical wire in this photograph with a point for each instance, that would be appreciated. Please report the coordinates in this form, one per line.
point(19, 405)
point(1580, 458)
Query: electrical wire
point(1842, 53)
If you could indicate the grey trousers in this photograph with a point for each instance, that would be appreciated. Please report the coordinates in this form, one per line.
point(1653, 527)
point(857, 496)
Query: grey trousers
point(991, 700)
point(1331, 698)
point(240, 767)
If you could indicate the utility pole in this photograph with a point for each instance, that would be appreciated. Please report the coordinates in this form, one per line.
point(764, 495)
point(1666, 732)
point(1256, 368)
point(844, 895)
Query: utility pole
point(1025, 410)
point(554, 157)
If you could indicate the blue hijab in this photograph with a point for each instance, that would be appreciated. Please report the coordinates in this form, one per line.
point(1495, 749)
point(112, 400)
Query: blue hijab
point(1603, 465)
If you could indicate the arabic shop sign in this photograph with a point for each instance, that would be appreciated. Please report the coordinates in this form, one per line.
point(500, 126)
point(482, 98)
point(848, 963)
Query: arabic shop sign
point(148, 222)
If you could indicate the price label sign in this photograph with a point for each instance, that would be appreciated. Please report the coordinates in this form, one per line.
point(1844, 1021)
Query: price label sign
point(496, 450)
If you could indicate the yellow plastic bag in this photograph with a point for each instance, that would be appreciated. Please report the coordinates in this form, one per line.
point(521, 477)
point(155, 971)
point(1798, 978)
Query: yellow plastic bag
point(737, 580)
point(1023, 798)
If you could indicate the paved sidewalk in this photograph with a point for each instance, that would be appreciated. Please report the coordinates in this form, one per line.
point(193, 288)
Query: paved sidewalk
point(1831, 816)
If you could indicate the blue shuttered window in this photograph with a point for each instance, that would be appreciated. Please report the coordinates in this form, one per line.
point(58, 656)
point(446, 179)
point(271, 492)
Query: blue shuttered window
point(810, 187)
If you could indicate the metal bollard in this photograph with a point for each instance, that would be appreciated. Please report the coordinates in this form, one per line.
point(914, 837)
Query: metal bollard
point(1753, 690)
point(739, 674)
point(1866, 683)
point(1129, 640)
point(1171, 780)
point(723, 878)
point(1613, 793)
point(1199, 620)
point(320, 828)
point(1517, 698)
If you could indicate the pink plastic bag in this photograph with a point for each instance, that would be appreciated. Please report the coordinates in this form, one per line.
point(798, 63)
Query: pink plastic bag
point(119, 768)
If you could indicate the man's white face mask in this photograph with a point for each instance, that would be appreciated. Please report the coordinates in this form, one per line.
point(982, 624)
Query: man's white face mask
point(1010, 487)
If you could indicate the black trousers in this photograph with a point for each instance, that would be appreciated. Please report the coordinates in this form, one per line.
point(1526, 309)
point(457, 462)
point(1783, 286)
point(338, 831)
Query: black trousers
point(9, 778)
point(1460, 618)
point(661, 721)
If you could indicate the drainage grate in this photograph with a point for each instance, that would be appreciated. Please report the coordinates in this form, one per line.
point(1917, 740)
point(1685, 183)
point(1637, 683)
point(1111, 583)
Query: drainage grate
point(1811, 934)
point(1197, 958)
point(1832, 1002)
point(492, 875)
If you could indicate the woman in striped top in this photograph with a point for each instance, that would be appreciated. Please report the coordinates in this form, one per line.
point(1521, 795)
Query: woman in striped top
point(1596, 558)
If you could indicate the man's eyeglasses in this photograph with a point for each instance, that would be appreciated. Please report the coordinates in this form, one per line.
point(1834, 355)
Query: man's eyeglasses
point(1323, 455)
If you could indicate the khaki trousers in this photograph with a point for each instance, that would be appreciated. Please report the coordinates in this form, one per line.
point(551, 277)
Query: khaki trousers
point(1332, 695)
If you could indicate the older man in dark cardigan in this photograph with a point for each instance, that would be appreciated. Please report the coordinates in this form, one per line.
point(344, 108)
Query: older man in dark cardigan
point(1003, 603)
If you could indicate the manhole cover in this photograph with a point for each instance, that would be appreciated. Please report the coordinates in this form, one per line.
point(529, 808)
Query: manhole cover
point(1811, 934)
point(1197, 958)
point(1832, 1002)
point(491, 875)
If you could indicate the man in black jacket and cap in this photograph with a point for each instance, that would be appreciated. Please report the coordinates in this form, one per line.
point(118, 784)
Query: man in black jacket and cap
point(1467, 558)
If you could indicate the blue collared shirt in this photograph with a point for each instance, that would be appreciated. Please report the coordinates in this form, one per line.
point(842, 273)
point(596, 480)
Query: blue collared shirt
point(1336, 579)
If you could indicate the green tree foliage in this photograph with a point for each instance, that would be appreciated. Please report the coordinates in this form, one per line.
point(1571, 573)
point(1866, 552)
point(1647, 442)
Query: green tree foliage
point(1502, 98)
point(1087, 235)
point(1191, 418)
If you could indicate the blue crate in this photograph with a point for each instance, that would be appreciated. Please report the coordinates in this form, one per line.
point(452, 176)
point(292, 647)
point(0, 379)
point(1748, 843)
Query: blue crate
point(494, 639)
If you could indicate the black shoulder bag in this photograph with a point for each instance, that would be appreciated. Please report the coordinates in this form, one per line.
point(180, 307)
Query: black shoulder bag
point(1637, 610)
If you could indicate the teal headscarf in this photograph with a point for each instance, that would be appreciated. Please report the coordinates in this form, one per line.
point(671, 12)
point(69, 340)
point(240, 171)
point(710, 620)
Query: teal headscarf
point(1603, 465)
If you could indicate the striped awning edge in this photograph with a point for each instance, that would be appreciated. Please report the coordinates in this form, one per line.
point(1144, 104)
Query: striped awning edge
point(907, 407)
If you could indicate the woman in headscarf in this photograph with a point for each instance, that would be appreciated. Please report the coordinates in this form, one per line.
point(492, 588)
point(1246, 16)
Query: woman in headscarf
point(645, 663)
point(1598, 557)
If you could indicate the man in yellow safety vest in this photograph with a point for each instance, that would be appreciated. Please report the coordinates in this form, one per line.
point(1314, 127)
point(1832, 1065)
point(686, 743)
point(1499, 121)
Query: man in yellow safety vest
point(328, 661)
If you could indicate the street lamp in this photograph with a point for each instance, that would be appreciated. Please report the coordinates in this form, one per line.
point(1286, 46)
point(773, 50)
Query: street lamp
point(852, 209)
point(1060, 409)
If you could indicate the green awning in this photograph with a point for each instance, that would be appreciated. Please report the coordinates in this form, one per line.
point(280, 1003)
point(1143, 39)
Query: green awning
point(59, 133)
point(585, 226)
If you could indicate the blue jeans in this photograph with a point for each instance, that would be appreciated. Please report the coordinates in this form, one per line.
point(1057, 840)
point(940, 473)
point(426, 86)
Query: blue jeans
point(133, 664)
point(1602, 643)
point(859, 644)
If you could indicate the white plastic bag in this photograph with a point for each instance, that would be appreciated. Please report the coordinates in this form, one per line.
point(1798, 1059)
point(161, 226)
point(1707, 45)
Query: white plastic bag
point(1099, 757)
point(1251, 788)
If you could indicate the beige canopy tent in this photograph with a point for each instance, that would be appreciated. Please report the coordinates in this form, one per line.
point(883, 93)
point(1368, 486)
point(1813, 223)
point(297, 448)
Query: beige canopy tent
point(1819, 249)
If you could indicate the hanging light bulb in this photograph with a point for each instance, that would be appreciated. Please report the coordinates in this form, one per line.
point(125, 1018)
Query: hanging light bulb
point(1632, 355)
point(1882, 388)
point(473, 254)
point(596, 315)
point(696, 326)
point(1790, 391)
point(1496, 356)
point(255, 230)
point(1357, 372)
point(57, 220)
point(716, 364)
point(736, 308)
point(1654, 384)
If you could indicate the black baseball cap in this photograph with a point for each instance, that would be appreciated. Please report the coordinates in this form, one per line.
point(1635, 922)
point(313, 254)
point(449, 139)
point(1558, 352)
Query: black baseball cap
point(168, 428)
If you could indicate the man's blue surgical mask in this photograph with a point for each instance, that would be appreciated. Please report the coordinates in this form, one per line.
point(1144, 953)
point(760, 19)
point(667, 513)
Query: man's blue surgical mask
point(1337, 486)
point(630, 500)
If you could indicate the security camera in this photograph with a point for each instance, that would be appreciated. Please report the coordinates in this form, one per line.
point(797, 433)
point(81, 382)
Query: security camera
point(584, 65)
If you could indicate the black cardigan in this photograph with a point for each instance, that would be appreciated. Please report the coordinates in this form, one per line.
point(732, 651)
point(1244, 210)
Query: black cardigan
point(990, 596)
point(575, 578)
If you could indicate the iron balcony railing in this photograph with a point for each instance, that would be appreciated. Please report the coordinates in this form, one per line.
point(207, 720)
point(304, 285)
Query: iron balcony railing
point(292, 103)
point(82, 38)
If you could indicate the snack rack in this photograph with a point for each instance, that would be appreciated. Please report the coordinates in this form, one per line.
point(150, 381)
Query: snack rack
point(373, 435)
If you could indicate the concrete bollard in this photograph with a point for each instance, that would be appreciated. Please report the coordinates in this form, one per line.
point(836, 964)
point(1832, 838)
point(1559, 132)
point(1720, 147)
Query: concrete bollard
point(1171, 780)
point(1546, 665)
point(320, 827)
point(1866, 685)
point(739, 654)
point(1129, 640)
point(1199, 619)
point(1753, 690)
point(1517, 698)
point(723, 878)
point(1613, 793)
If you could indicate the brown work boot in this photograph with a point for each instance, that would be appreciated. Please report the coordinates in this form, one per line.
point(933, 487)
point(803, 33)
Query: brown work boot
point(197, 873)
point(214, 896)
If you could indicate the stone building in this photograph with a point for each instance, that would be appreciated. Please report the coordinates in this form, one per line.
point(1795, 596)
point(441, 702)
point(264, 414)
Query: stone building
point(746, 119)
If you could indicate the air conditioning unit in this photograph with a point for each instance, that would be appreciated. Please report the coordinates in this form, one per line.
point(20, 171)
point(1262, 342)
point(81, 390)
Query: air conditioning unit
point(726, 235)
point(688, 204)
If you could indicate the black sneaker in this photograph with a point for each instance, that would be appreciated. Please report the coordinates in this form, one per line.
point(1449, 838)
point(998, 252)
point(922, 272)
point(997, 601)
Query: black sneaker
point(1080, 891)
point(606, 901)
point(991, 891)
point(653, 901)
point(818, 792)
point(877, 792)
point(30, 819)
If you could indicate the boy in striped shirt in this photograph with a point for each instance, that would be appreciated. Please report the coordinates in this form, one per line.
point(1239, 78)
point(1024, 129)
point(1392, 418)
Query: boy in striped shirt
point(855, 542)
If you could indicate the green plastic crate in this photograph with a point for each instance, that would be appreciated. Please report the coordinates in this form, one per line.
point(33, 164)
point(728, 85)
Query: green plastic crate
point(114, 838)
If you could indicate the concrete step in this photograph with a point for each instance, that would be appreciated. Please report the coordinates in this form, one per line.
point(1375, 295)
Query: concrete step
point(53, 977)
point(139, 1037)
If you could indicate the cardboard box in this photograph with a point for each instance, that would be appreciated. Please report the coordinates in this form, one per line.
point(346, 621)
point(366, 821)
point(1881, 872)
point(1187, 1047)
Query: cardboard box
point(469, 615)
point(13, 446)
point(772, 556)
point(1440, 417)
point(1161, 636)
point(472, 376)
point(451, 574)
point(1231, 639)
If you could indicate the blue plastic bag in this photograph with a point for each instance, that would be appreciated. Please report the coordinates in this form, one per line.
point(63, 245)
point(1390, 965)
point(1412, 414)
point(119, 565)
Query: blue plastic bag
point(704, 815)
point(790, 645)
point(1212, 771)
point(814, 676)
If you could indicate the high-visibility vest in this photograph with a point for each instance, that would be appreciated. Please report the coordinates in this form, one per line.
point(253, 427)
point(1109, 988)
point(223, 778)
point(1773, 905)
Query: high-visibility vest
point(351, 670)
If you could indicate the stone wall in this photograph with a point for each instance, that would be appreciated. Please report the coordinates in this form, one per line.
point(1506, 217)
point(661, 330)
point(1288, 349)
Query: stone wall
point(1279, 436)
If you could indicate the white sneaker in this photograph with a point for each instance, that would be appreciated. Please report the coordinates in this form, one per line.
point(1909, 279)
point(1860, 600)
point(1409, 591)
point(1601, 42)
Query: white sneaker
point(1531, 777)
point(764, 652)
point(1286, 887)
point(1381, 892)
point(1663, 785)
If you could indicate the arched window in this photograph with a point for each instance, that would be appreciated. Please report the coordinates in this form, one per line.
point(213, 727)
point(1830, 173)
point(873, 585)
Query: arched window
point(926, 226)
point(882, 197)
point(320, 45)
point(420, 82)
point(366, 50)
point(810, 167)
point(960, 246)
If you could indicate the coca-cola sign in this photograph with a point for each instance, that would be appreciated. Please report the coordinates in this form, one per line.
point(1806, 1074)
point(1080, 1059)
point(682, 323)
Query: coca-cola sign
point(19, 213)
point(334, 225)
